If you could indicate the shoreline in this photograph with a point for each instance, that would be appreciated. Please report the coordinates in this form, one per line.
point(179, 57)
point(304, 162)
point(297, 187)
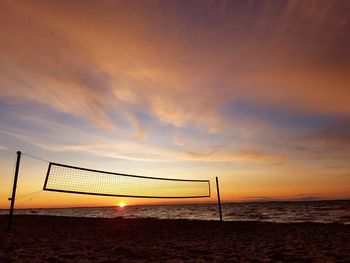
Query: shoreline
point(38, 238)
point(63, 217)
point(196, 203)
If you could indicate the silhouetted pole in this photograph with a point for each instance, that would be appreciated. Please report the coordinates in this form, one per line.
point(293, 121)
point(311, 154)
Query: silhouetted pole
point(219, 202)
point(13, 198)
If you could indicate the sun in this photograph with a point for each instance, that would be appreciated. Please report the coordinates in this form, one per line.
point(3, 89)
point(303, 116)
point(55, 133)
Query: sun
point(121, 204)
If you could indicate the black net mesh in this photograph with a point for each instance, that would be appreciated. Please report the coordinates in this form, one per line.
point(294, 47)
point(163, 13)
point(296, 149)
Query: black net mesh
point(70, 179)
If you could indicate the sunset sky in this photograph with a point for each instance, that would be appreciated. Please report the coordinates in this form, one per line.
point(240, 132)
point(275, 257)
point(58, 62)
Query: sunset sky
point(254, 92)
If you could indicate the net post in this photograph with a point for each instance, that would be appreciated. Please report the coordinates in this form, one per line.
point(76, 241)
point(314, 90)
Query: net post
point(219, 202)
point(13, 197)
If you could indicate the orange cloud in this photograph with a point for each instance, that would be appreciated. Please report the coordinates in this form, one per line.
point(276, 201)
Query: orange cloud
point(86, 68)
point(244, 156)
point(93, 59)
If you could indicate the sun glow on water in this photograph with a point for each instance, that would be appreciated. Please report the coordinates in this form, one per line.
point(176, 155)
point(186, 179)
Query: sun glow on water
point(121, 204)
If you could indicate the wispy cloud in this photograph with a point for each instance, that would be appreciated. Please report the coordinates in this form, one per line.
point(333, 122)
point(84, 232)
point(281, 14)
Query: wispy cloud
point(182, 78)
point(330, 142)
point(241, 155)
point(128, 149)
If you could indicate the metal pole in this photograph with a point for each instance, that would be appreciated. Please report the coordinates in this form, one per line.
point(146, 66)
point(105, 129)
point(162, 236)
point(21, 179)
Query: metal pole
point(13, 198)
point(219, 202)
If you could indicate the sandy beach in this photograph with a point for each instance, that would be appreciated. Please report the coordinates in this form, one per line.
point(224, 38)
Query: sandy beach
point(64, 239)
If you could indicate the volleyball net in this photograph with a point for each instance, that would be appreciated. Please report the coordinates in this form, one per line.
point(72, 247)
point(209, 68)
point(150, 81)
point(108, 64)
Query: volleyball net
point(71, 179)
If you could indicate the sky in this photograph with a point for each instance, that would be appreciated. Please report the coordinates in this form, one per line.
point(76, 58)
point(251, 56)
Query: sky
point(254, 92)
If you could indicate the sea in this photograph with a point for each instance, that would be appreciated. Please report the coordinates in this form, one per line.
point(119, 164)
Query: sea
point(279, 212)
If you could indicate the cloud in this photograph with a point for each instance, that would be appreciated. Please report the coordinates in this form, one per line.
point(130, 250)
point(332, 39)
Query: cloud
point(241, 155)
point(177, 63)
point(50, 135)
point(99, 58)
point(337, 132)
point(50, 69)
point(2, 148)
point(330, 142)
